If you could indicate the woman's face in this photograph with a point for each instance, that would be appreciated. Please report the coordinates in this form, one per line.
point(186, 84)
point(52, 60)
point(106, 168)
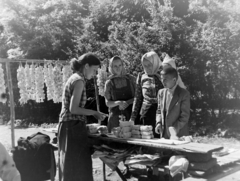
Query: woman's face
point(117, 66)
point(148, 67)
point(90, 71)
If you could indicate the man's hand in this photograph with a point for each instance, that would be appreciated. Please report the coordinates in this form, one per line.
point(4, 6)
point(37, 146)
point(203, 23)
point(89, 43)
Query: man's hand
point(174, 138)
point(158, 128)
point(173, 133)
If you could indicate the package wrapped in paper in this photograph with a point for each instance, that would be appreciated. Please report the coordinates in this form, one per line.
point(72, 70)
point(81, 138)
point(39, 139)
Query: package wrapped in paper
point(126, 123)
point(126, 129)
point(146, 128)
point(147, 136)
point(136, 132)
point(136, 136)
point(136, 127)
point(92, 128)
point(146, 133)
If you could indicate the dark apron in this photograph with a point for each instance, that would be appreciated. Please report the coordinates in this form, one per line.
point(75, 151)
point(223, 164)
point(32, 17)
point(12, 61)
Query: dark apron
point(120, 94)
point(148, 117)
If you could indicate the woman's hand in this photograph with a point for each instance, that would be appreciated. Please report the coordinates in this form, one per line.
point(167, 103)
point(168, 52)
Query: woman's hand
point(99, 116)
point(123, 105)
point(158, 129)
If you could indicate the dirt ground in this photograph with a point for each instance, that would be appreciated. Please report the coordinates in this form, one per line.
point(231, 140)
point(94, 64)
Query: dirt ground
point(138, 171)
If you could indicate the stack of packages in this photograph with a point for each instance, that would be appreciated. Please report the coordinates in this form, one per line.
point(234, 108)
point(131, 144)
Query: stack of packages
point(146, 132)
point(136, 131)
point(142, 132)
point(125, 129)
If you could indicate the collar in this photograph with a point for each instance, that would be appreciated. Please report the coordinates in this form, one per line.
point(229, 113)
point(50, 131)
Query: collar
point(81, 75)
point(118, 76)
point(172, 89)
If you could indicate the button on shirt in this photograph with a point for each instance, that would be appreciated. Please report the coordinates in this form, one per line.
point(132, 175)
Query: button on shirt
point(169, 96)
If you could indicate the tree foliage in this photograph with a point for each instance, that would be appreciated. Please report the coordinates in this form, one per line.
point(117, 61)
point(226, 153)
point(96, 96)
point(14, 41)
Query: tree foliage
point(202, 35)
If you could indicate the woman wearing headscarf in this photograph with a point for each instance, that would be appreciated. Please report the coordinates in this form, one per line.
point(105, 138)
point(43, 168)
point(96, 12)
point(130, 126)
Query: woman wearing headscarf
point(147, 86)
point(168, 61)
point(119, 92)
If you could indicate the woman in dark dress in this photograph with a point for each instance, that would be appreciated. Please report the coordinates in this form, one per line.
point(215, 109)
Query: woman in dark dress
point(119, 92)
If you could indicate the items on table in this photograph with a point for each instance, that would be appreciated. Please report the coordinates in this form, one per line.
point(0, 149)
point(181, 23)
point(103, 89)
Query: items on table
point(125, 129)
point(116, 131)
point(122, 118)
point(102, 130)
point(92, 128)
point(178, 164)
point(143, 158)
point(142, 132)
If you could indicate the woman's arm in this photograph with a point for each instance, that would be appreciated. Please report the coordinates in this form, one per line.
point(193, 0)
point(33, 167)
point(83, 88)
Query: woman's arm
point(133, 84)
point(138, 98)
point(76, 97)
point(108, 95)
point(112, 103)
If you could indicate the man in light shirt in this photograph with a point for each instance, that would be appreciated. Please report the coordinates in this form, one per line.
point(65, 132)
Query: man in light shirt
point(8, 170)
point(173, 107)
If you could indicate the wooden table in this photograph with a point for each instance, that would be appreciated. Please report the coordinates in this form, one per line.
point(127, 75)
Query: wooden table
point(194, 149)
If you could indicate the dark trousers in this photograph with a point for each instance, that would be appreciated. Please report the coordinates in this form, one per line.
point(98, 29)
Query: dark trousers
point(75, 163)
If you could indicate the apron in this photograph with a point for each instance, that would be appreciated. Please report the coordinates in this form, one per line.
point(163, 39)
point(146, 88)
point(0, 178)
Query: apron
point(148, 117)
point(120, 94)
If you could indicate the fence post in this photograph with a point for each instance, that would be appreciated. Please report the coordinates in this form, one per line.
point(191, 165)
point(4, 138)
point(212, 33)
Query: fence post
point(12, 111)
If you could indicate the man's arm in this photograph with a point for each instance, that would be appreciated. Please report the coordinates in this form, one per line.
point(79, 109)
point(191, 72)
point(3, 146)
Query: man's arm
point(184, 112)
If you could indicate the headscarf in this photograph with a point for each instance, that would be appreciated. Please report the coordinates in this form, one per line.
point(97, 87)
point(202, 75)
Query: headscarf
point(170, 61)
point(154, 59)
point(110, 67)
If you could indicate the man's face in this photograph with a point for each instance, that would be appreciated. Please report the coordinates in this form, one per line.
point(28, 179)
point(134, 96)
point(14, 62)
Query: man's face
point(168, 81)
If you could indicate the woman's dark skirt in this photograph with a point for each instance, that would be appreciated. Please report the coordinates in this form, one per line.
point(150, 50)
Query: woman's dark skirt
point(75, 163)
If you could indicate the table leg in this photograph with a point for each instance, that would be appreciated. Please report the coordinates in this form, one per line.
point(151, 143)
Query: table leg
point(120, 174)
point(104, 171)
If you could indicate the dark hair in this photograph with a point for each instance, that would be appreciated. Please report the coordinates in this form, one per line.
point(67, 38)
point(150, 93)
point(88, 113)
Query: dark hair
point(87, 58)
point(170, 71)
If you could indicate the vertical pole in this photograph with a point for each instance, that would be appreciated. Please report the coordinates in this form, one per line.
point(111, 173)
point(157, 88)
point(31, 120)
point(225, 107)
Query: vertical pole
point(104, 171)
point(99, 122)
point(96, 96)
point(12, 111)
